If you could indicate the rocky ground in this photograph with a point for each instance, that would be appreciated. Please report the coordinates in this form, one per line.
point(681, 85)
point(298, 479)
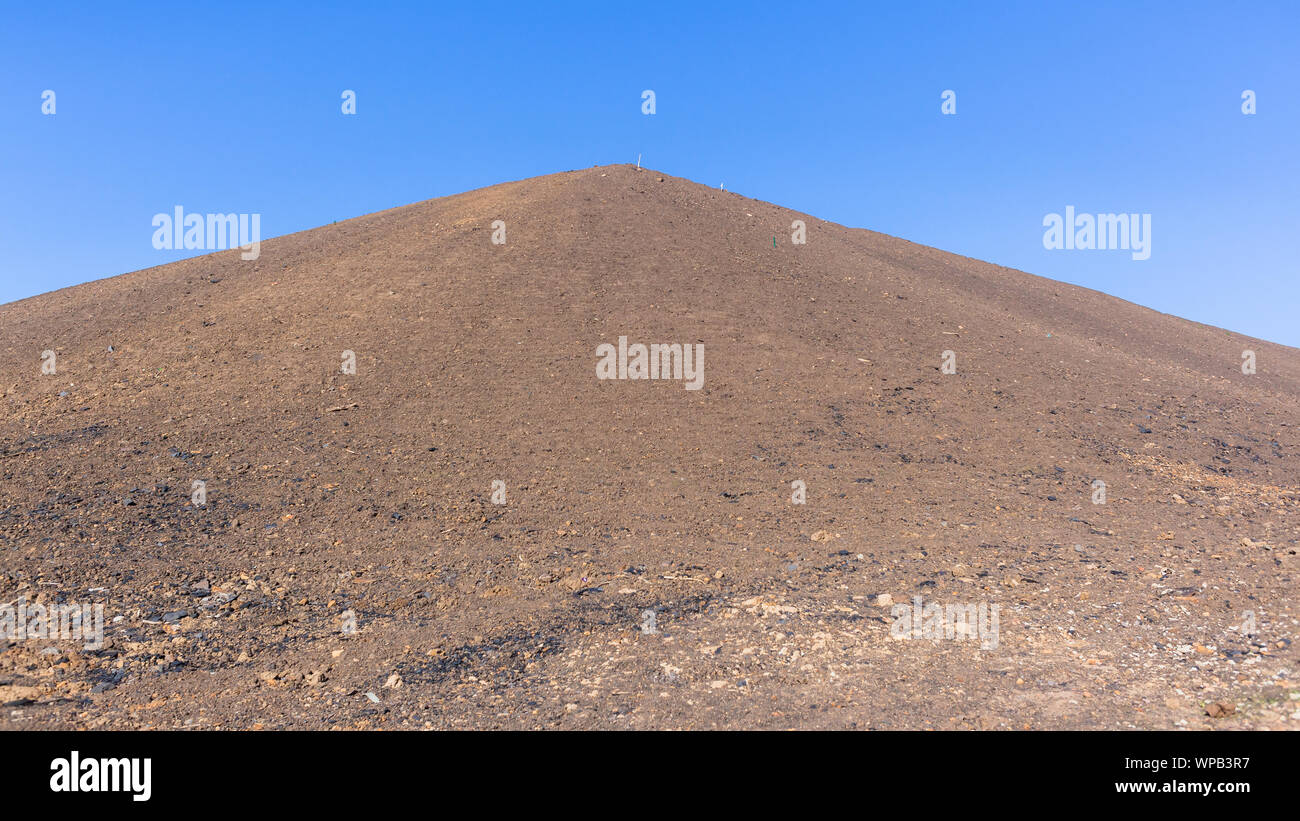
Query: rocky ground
point(649, 568)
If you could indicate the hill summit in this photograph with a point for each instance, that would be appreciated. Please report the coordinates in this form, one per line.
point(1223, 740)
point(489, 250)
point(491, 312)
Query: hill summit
point(609, 448)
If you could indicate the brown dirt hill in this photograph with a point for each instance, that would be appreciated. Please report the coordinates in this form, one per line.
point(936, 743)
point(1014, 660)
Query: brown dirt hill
point(333, 496)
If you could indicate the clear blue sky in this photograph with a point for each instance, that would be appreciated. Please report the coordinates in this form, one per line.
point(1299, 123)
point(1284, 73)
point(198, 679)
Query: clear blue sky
point(1109, 107)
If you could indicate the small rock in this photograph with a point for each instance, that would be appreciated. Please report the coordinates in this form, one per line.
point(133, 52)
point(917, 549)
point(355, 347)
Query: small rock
point(216, 599)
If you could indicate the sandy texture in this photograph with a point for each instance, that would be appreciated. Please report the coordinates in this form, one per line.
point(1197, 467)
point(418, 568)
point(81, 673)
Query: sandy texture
point(371, 493)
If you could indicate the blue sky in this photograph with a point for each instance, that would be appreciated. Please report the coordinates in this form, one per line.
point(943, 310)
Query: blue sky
point(832, 111)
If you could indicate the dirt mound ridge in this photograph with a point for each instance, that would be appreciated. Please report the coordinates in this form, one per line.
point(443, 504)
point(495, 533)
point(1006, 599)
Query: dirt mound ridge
point(337, 499)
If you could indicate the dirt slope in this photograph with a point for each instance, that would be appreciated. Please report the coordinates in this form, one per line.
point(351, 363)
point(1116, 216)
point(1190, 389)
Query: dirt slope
point(331, 495)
